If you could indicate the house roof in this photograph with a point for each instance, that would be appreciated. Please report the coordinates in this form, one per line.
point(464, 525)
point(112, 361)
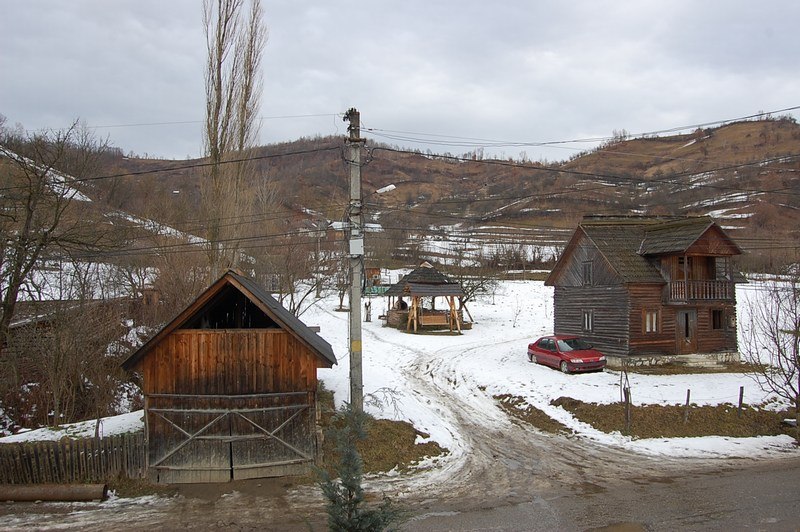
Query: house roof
point(627, 242)
point(619, 245)
point(259, 297)
point(679, 236)
point(425, 281)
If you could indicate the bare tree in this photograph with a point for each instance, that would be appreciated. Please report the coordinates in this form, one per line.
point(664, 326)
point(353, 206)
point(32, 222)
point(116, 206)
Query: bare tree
point(35, 202)
point(771, 338)
point(58, 367)
point(292, 264)
point(233, 90)
point(471, 270)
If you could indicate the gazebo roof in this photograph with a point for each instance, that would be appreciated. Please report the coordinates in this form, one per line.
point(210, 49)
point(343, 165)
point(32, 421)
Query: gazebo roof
point(425, 281)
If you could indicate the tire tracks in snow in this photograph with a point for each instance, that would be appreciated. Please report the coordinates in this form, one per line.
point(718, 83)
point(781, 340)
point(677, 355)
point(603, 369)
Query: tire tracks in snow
point(510, 461)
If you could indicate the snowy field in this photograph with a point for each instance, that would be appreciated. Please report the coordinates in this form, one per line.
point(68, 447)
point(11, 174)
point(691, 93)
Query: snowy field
point(401, 370)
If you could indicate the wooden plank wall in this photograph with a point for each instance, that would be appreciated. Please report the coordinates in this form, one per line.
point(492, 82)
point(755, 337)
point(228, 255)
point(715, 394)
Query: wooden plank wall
point(229, 361)
point(607, 298)
point(610, 306)
point(650, 298)
point(710, 340)
point(73, 461)
point(602, 272)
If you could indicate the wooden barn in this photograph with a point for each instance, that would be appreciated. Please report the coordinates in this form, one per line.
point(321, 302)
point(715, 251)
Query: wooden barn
point(412, 301)
point(649, 287)
point(230, 388)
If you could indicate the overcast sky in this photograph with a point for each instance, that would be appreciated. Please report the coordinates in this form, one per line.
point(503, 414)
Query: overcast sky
point(510, 71)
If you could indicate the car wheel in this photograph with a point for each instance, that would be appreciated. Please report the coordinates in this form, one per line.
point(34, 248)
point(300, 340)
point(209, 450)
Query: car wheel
point(564, 367)
point(530, 357)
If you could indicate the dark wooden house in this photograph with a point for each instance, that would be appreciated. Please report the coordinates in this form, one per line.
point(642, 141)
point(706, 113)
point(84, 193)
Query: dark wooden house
point(648, 286)
point(409, 296)
point(230, 388)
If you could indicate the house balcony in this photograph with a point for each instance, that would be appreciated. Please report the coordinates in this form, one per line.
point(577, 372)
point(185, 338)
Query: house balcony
point(700, 291)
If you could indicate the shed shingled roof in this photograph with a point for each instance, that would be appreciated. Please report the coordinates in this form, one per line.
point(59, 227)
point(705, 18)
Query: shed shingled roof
point(259, 296)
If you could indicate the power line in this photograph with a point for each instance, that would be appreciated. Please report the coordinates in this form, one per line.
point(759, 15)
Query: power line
point(185, 122)
point(443, 140)
point(194, 165)
point(669, 179)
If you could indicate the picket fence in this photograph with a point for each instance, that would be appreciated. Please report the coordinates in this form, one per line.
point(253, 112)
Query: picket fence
point(73, 461)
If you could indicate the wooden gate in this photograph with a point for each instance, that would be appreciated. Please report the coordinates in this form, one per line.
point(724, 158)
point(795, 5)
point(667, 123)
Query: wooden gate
point(218, 438)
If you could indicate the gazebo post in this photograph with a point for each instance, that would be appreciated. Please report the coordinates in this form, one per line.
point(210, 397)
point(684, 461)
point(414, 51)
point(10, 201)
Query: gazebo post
point(454, 314)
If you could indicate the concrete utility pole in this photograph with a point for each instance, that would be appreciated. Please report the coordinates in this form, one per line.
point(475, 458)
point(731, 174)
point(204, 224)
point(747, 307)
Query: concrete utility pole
point(356, 248)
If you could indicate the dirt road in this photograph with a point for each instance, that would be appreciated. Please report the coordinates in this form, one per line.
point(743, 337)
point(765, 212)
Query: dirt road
point(499, 475)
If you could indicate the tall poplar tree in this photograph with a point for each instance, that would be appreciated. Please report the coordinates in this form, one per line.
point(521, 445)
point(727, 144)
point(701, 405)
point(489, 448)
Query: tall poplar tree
point(235, 39)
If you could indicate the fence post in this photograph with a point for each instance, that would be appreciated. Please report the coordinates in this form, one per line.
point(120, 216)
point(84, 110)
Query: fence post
point(686, 408)
point(741, 399)
point(627, 392)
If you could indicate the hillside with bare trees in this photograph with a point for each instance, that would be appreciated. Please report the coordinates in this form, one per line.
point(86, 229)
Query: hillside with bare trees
point(744, 174)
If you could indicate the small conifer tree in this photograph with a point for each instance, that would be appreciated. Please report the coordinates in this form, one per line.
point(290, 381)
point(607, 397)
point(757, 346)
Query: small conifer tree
point(346, 505)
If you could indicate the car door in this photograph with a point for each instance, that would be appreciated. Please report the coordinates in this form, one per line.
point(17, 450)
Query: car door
point(549, 355)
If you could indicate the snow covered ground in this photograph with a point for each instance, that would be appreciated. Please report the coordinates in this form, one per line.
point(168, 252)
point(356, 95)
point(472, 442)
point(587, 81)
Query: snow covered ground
point(490, 360)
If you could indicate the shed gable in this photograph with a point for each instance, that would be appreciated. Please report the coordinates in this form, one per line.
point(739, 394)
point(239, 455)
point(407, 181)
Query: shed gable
point(230, 309)
point(237, 302)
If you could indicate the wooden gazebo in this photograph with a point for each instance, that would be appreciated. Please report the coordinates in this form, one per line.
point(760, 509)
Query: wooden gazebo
point(407, 299)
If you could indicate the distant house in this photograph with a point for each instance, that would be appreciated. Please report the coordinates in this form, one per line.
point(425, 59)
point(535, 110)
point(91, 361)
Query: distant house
point(648, 287)
point(230, 388)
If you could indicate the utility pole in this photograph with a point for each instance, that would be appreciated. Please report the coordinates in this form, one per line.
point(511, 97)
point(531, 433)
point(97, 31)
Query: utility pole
point(356, 250)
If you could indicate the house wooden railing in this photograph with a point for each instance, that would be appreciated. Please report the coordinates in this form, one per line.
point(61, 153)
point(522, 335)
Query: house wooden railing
point(700, 290)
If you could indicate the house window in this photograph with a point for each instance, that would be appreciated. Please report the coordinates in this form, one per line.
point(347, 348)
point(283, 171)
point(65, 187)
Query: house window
point(587, 274)
point(650, 321)
point(588, 320)
point(717, 319)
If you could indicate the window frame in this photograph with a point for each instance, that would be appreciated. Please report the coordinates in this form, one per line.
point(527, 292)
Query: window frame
point(717, 319)
point(587, 321)
point(651, 321)
point(587, 277)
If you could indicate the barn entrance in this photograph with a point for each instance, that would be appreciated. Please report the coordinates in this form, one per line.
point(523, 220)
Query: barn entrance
point(218, 438)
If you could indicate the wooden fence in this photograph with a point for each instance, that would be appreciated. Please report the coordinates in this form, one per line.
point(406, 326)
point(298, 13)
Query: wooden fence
point(71, 461)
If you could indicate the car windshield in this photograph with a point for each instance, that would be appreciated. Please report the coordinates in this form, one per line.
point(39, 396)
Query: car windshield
point(573, 344)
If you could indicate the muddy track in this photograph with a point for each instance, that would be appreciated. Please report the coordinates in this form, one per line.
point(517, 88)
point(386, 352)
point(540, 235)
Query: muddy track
point(500, 461)
point(494, 462)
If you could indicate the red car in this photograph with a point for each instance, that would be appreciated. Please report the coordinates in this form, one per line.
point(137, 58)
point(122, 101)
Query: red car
point(567, 353)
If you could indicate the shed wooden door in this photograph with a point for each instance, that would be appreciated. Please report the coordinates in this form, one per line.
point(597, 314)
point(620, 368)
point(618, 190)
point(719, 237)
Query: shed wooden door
point(217, 438)
point(686, 331)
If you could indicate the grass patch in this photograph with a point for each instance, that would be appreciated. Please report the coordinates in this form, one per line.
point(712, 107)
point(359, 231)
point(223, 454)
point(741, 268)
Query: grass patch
point(389, 444)
point(667, 421)
point(518, 408)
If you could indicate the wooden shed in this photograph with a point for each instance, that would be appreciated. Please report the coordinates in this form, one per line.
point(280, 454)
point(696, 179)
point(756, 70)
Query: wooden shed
point(230, 388)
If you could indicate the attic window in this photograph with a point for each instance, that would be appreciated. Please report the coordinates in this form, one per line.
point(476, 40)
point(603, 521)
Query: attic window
point(587, 274)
